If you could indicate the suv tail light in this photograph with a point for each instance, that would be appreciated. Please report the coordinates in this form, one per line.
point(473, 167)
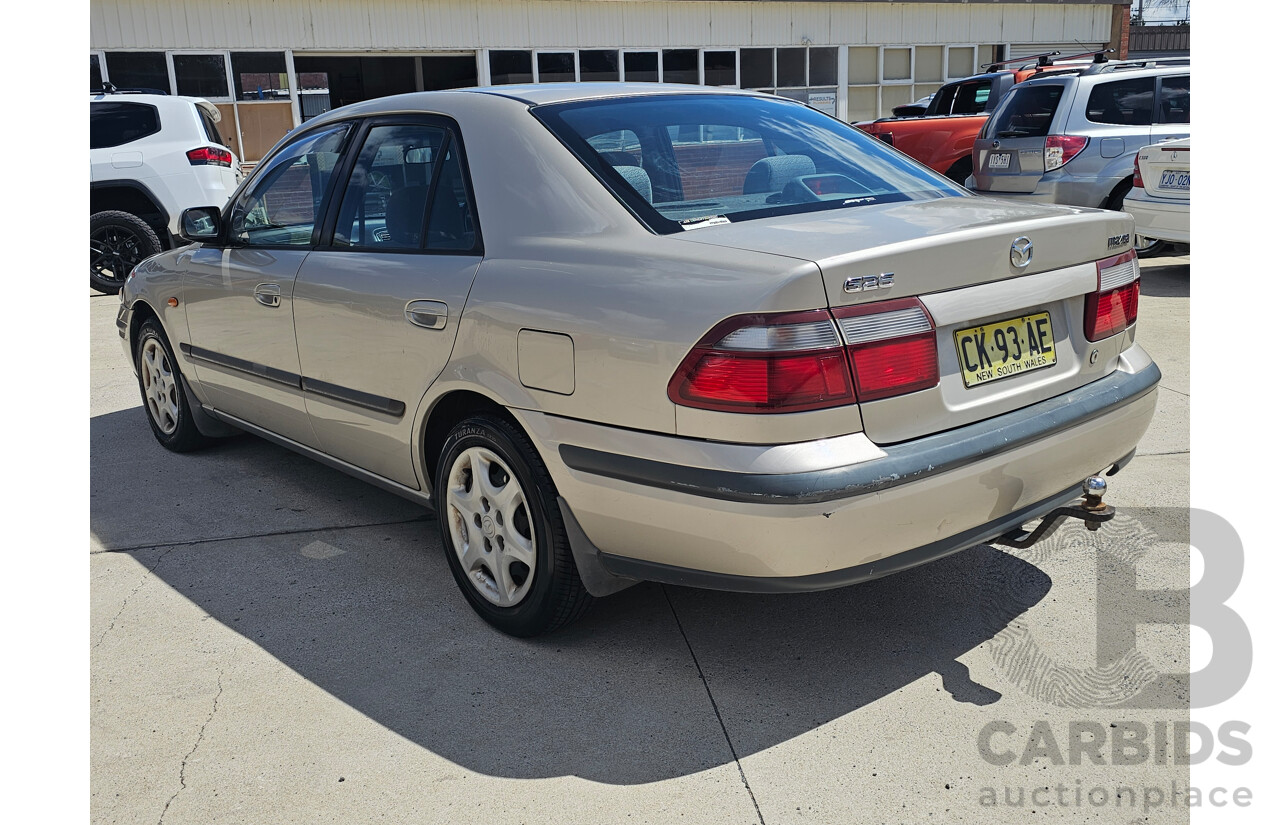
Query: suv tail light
point(1137, 174)
point(766, 364)
point(1059, 149)
point(209, 156)
point(892, 347)
point(1114, 307)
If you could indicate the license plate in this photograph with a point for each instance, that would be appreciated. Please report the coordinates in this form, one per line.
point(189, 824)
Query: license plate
point(1174, 179)
point(998, 160)
point(1005, 348)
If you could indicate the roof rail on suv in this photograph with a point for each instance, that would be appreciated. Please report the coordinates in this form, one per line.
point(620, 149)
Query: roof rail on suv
point(1131, 65)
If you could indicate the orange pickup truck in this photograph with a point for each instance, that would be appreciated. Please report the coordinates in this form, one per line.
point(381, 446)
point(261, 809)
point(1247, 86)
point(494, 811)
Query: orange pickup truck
point(942, 138)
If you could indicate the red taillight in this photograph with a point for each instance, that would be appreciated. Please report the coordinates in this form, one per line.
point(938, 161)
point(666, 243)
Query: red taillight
point(1114, 307)
point(1137, 174)
point(765, 364)
point(1059, 149)
point(209, 156)
point(892, 346)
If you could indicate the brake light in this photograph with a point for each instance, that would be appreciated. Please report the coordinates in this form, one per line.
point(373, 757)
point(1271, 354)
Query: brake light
point(1060, 149)
point(892, 347)
point(209, 156)
point(1114, 307)
point(1137, 174)
point(766, 364)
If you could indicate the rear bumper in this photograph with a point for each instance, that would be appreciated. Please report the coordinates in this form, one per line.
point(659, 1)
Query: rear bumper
point(827, 513)
point(1059, 188)
point(1169, 221)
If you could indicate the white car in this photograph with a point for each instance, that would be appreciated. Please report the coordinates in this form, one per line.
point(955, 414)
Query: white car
point(1160, 201)
point(151, 156)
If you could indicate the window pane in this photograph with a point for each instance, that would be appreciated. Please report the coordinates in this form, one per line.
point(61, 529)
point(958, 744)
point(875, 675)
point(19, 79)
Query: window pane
point(115, 124)
point(451, 225)
point(95, 74)
point(971, 98)
point(897, 64)
point(1029, 112)
point(1175, 99)
point(757, 68)
point(510, 67)
point(720, 68)
point(862, 103)
point(259, 75)
point(640, 67)
point(960, 62)
point(138, 70)
point(929, 64)
point(680, 66)
point(201, 75)
point(556, 67)
point(1125, 102)
point(597, 65)
point(864, 65)
point(211, 129)
point(791, 68)
point(822, 67)
point(448, 72)
point(288, 196)
point(385, 204)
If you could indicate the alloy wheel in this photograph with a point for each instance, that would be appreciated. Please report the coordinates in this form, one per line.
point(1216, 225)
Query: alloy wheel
point(489, 522)
point(159, 386)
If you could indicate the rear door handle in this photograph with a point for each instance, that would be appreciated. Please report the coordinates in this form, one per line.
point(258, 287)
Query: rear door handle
point(267, 294)
point(427, 314)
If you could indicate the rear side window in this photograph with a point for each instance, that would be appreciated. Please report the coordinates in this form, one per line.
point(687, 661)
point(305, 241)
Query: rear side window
point(1175, 99)
point(1122, 102)
point(1028, 112)
point(115, 124)
point(971, 98)
point(210, 128)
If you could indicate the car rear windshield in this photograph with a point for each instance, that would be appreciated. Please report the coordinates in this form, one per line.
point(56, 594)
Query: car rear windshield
point(115, 124)
point(685, 161)
point(1027, 112)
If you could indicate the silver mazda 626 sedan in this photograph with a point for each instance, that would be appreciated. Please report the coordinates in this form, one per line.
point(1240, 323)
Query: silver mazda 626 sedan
point(616, 333)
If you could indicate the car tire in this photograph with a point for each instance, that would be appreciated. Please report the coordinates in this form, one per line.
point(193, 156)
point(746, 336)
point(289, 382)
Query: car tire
point(961, 170)
point(1144, 246)
point(118, 241)
point(163, 395)
point(502, 531)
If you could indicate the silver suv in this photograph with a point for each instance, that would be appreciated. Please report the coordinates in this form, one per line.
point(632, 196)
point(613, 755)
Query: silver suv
point(1072, 139)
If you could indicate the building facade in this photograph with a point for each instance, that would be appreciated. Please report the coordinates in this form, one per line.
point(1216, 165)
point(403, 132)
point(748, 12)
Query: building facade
point(270, 65)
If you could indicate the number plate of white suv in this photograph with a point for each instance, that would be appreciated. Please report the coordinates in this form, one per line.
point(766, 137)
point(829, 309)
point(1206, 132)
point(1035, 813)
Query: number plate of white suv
point(1010, 347)
point(1175, 179)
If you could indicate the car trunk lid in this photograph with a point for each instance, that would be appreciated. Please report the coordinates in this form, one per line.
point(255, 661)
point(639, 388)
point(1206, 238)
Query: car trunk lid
point(956, 256)
point(1166, 170)
point(1009, 154)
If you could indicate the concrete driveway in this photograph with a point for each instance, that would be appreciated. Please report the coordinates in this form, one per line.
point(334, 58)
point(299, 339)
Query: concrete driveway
point(274, 642)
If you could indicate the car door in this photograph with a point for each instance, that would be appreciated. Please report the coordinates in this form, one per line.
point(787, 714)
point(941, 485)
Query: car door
point(377, 307)
point(239, 294)
point(1173, 112)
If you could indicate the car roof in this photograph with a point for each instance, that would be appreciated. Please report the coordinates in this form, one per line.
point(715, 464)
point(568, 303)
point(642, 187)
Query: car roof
point(1119, 72)
point(538, 94)
point(157, 100)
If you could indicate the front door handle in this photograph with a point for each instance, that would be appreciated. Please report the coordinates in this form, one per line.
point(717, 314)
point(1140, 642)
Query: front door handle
point(267, 294)
point(427, 314)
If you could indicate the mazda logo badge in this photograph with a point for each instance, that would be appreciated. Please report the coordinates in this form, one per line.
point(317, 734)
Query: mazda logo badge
point(1020, 252)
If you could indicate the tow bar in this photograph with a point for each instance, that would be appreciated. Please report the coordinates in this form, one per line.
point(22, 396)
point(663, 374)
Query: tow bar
point(1088, 509)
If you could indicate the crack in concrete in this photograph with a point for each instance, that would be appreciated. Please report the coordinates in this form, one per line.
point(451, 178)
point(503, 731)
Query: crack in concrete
point(182, 770)
point(132, 593)
point(175, 544)
point(715, 707)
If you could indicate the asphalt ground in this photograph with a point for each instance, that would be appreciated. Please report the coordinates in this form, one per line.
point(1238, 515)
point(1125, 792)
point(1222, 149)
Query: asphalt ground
point(275, 642)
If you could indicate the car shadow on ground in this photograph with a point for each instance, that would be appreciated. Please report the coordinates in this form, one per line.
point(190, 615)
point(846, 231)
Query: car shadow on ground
point(370, 614)
point(1166, 280)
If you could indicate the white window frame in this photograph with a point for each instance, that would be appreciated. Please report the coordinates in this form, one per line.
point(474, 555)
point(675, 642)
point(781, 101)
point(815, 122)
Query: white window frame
point(225, 54)
point(102, 63)
point(577, 72)
point(737, 66)
point(622, 65)
point(946, 62)
point(911, 74)
point(617, 50)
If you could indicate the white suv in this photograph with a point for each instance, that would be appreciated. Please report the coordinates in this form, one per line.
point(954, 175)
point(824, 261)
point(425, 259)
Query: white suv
point(150, 157)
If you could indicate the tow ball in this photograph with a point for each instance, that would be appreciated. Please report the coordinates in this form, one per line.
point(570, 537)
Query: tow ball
point(1089, 509)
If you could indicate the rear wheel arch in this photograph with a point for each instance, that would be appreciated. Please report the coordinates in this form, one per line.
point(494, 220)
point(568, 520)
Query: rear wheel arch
point(447, 412)
point(1115, 200)
point(134, 198)
point(961, 169)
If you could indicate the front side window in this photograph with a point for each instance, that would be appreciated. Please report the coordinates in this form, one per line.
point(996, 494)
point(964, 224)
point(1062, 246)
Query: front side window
point(114, 124)
point(1122, 102)
point(680, 161)
point(288, 196)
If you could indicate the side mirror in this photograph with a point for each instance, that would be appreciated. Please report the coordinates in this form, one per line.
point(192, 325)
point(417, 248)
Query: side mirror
point(201, 224)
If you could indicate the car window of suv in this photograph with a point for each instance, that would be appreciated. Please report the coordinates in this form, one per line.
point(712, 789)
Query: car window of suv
point(1122, 102)
point(1027, 112)
point(210, 128)
point(1175, 99)
point(282, 205)
point(115, 124)
point(385, 203)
